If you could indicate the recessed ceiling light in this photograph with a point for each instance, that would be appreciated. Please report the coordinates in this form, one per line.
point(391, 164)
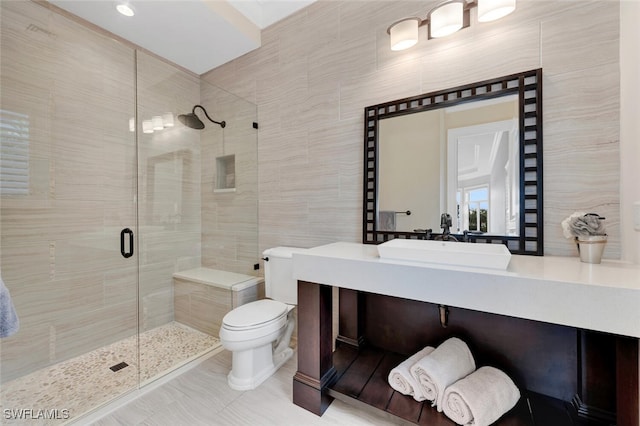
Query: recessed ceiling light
point(125, 9)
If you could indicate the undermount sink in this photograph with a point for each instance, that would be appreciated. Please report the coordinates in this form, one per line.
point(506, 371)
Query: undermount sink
point(477, 255)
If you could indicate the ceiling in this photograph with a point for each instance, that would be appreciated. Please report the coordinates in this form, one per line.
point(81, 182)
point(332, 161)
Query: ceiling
point(198, 35)
point(477, 154)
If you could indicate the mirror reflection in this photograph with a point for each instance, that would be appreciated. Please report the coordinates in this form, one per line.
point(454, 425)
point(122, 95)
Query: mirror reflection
point(462, 160)
point(166, 175)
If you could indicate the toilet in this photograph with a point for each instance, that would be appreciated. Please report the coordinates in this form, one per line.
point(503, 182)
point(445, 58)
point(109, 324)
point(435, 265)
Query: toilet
point(258, 333)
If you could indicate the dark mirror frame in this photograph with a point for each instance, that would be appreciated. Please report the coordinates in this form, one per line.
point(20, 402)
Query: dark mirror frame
point(528, 86)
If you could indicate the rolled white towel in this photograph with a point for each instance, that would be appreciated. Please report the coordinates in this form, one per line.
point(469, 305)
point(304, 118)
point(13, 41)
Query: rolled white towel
point(481, 398)
point(448, 363)
point(400, 377)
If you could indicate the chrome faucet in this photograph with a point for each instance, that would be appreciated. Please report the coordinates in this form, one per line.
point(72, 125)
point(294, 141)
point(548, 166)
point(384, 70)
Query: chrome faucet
point(445, 224)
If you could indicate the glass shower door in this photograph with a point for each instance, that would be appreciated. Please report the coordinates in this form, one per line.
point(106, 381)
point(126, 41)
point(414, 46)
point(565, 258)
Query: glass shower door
point(169, 213)
point(67, 216)
point(186, 220)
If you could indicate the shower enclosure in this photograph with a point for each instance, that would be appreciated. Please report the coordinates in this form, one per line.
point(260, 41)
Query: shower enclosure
point(104, 195)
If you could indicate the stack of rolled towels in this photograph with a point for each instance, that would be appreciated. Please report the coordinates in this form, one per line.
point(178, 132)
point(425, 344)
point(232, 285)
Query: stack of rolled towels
point(447, 377)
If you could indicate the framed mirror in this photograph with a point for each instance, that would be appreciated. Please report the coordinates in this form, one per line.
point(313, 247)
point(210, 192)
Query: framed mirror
point(473, 152)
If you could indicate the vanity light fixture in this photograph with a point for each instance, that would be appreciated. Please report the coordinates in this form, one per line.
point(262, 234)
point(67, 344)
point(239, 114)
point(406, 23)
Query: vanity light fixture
point(167, 119)
point(404, 33)
point(156, 121)
point(147, 126)
point(445, 19)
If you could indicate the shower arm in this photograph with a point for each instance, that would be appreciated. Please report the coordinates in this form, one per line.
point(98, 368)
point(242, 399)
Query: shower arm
point(221, 123)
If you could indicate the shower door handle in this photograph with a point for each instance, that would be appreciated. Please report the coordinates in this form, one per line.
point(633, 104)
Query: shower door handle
point(126, 234)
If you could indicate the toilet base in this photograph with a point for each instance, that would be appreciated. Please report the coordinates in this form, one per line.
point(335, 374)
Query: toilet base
point(262, 366)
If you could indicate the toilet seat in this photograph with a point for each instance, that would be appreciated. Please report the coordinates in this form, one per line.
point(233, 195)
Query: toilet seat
point(258, 314)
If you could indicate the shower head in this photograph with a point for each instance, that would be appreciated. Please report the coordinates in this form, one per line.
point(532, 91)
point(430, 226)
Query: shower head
point(191, 119)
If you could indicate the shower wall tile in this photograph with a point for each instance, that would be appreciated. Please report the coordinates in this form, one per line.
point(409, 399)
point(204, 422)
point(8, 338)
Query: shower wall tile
point(311, 142)
point(24, 263)
point(156, 309)
point(70, 295)
point(168, 187)
point(34, 224)
point(229, 219)
point(93, 329)
point(230, 250)
point(118, 286)
point(164, 246)
point(154, 276)
point(32, 340)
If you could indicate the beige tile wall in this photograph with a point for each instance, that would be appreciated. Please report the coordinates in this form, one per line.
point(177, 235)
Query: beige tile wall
point(317, 70)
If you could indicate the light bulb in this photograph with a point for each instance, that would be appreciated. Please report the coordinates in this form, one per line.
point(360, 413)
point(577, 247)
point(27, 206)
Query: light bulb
point(404, 34)
point(147, 126)
point(490, 10)
point(167, 119)
point(447, 19)
point(125, 9)
point(156, 121)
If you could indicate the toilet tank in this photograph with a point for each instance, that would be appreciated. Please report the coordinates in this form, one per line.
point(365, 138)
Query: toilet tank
point(278, 274)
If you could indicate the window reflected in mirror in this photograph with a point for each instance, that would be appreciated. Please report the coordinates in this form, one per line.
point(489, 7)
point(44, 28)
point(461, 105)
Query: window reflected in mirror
point(461, 160)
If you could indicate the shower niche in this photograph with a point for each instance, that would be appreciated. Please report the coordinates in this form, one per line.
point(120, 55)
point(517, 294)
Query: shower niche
point(225, 174)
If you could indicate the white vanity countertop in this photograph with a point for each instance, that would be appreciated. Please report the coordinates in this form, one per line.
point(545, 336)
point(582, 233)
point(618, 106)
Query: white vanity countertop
point(558, 290)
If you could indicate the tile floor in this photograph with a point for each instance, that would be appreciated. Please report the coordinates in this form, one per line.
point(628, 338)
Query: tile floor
point(201, 396)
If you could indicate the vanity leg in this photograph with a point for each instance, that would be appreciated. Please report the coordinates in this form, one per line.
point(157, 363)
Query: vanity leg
point(596, 396)
point(351, 319)
point(315, 364)
point(627, 381)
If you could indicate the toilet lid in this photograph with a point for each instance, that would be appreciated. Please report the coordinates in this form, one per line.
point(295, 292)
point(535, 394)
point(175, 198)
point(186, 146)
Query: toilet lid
point(254, 314)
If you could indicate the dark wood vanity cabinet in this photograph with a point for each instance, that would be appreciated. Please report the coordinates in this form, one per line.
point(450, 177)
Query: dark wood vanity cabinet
point(567, 376)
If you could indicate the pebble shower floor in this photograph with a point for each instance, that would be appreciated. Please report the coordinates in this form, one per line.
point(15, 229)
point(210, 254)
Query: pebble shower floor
point(74, 387)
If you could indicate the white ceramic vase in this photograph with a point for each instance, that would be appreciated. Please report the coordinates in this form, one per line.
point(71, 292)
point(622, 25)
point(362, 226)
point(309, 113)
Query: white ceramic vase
point(591, 248)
